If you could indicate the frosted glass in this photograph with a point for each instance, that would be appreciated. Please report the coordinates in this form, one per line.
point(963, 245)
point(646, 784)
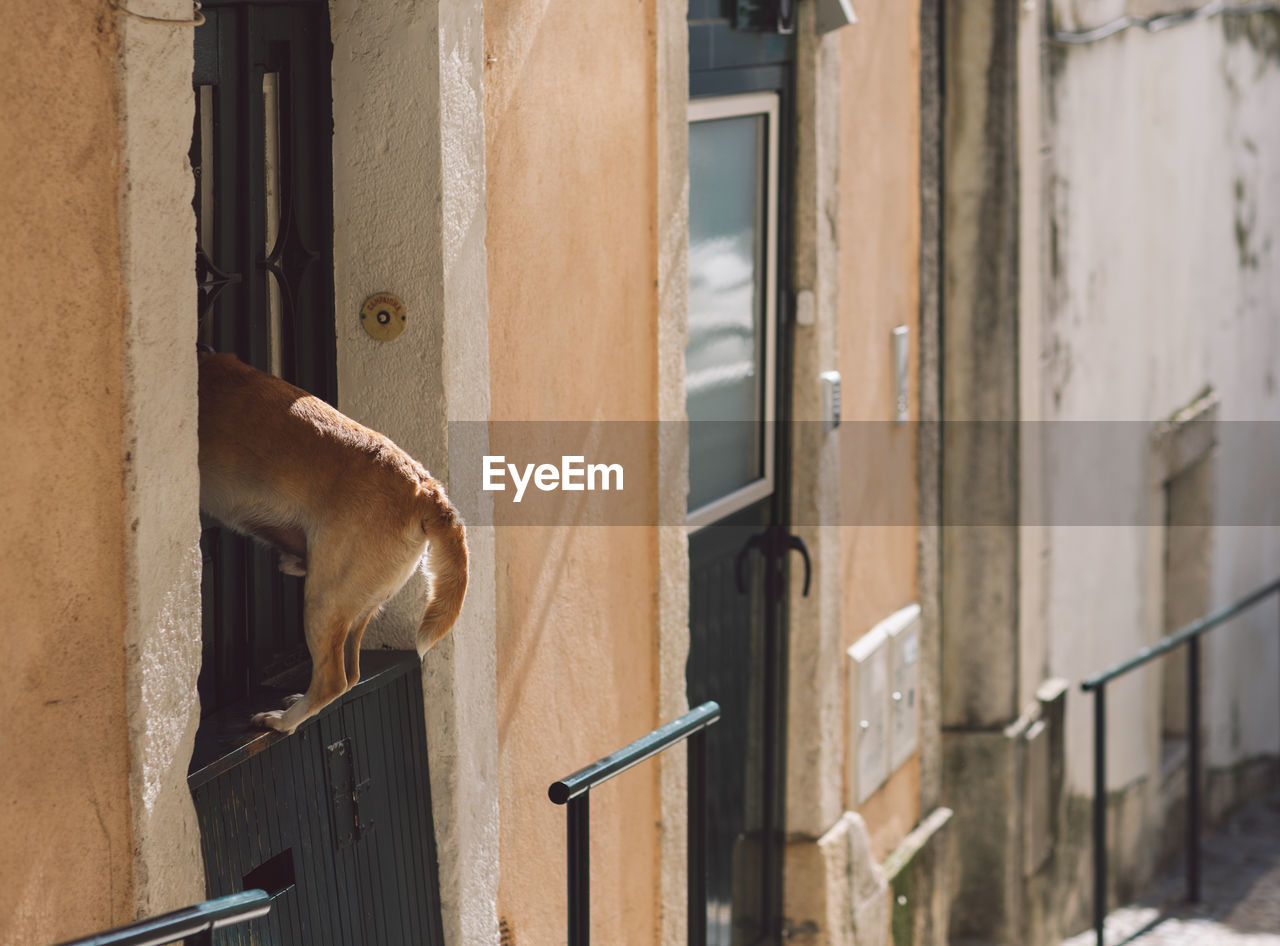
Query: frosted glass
point(724, 361)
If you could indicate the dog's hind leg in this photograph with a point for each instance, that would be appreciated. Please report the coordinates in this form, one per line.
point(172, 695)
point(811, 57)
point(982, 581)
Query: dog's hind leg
point(329, 622)
point(351, 655)
point(328, 679)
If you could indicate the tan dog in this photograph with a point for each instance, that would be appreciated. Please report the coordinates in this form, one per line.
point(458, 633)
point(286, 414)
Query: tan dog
point(344, 505)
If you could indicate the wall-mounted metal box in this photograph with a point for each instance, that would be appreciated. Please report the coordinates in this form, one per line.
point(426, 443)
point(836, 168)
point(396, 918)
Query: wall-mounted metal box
point(868, 756)
point(903, 630)
point(884, 684)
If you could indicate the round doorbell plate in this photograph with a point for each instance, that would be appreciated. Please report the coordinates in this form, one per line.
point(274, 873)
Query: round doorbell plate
point(383, 316)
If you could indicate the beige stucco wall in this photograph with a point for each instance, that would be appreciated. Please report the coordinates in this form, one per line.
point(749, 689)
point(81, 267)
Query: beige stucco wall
point(571, 174)
point(65, 784)
point(879, 247)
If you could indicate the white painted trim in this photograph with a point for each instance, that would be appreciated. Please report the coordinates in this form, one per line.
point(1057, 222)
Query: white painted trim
point(162, 490)
point(730, 503)
point(816, 738)
point(736, 106)
point(742, 106)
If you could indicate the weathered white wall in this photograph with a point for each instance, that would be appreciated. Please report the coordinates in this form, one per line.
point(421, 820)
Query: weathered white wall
point(1163, 212)
point(162, 488)
point(815, 710)
point(671, 93)
point(409, 218)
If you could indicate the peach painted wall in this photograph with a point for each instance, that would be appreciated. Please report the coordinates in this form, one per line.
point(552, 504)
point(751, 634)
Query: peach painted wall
point(571, 177)
point(66, 862)
point(879, 237)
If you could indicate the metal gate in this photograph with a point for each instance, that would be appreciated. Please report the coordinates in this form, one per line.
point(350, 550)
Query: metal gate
point(263, 200)
point(334, 821)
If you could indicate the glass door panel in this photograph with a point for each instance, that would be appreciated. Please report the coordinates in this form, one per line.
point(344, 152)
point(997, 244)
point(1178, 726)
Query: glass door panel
point(729, 378)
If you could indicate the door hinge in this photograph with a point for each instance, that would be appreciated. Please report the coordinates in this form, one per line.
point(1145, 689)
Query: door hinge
point(345, 792)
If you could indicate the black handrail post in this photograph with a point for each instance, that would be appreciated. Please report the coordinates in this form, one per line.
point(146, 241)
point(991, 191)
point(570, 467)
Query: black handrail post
point(574, 789)
point(1193, 770)
point(1100, 811)
point(1188, 634)
point(697, 777)
point(579, 820)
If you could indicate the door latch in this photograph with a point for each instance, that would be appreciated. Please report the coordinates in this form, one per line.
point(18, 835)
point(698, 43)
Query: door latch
point(773, 543)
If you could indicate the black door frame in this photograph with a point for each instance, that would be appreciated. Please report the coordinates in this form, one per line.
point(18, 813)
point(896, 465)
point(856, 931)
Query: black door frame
point(725, 61)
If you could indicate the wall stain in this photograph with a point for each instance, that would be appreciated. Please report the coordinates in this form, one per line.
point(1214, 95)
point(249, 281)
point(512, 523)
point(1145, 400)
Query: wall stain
point(1246, 216)
point(1261, 31)
point(1058, 368)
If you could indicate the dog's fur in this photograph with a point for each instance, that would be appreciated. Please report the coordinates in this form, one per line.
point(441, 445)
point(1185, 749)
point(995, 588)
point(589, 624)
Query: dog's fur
point(344, 505)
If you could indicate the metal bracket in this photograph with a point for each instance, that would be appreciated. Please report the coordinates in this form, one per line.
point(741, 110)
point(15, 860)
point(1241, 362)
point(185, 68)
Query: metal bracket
point(348, 828)
point(765, 16)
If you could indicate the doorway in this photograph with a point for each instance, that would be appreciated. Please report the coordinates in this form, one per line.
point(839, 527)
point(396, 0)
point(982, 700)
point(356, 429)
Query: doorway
point(335, 820)
point(737, 379)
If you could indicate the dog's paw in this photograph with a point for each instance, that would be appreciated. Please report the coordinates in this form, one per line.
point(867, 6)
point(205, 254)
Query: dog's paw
point(272, 720)
point(290, 700)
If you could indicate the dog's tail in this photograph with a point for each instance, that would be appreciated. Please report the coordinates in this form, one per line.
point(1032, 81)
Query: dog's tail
point(447, 560)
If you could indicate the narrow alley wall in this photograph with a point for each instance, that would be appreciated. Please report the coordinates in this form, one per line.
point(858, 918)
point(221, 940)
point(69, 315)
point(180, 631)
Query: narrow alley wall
point(1161, 295)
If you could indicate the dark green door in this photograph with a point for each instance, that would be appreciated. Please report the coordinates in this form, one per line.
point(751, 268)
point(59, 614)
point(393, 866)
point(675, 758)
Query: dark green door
point(737, 373)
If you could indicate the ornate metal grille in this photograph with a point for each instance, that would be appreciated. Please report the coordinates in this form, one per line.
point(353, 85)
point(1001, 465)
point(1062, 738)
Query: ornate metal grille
point(263, 200)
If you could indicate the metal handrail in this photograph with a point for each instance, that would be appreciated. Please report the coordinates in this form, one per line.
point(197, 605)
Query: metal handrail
point(195, 923)
point(574, 790)
point(1188, 635)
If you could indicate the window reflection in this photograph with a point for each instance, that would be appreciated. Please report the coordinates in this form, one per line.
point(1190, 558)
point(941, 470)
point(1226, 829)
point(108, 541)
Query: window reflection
point(724, 361)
